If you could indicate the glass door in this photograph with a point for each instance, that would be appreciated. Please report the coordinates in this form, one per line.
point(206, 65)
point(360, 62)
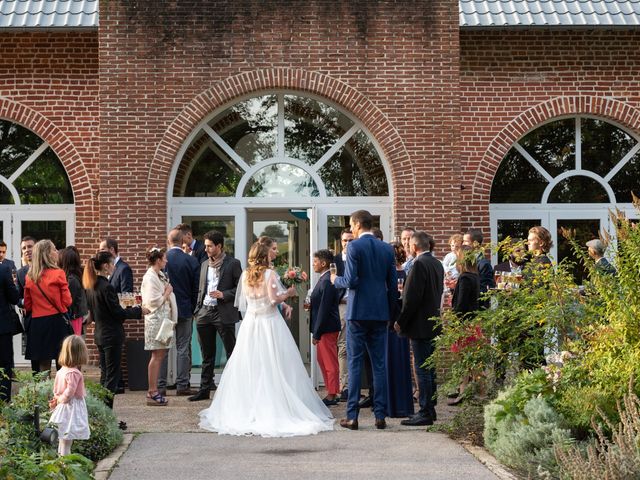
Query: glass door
point(585, 226)
point(7, 237)
point(290, 228)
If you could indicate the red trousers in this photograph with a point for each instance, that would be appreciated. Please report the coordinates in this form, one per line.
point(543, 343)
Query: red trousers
point(328, 361)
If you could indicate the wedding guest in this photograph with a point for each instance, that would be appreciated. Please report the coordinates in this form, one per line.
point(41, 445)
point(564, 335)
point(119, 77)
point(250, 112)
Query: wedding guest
point(46, 300)
point(158, 299)
point(596, 252)
point(516, 260)
point(108, 316)
point(466, 298)
point(371, 276)
point(340, 259)
point(184, 273)
point(3, 257)
point(405, 239)
point(539, 244)
point(8, 298)
point(421, 298)
point(69, 262)
point(215, 312)
point(449, 260)
point(192, 246)
point(26, 252)
point(325, 325)
point(473, 238)
point(399, 374)
point(122, 277)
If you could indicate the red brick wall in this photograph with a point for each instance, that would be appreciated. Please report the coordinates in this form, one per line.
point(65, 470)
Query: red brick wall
point(511, 81)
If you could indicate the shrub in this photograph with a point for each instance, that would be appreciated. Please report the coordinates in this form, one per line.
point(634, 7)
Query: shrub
point(526, 442)
point(615, 459)
point(105, 434)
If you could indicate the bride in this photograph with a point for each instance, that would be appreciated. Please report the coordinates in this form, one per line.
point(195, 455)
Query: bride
point(265, 389)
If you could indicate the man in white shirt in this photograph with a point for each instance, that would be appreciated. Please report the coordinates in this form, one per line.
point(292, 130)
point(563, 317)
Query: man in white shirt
point(345, 237)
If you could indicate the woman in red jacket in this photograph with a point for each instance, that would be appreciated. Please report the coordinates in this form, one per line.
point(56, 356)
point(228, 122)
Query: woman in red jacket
point(46, 297)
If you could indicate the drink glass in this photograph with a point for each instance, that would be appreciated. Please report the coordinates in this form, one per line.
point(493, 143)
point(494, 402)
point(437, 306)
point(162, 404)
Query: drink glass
point(333, 269)
point(497, 276)
point(400, 285)
point(307, 301)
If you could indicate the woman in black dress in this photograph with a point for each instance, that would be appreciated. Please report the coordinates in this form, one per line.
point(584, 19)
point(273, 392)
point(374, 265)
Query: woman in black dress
point(108, 316)
point(466, 297)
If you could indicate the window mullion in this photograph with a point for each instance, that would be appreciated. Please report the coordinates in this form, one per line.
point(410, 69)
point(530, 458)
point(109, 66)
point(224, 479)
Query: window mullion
point(534, 163)
point(578, 142)
point(280, 134)
point(27, 163)
point(226, 147)
point(335, 147)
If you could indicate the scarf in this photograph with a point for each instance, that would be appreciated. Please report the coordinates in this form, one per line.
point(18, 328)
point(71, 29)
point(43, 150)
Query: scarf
point(216, 263)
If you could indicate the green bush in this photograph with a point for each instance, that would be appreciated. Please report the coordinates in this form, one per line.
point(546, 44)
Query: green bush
point(21, 451)
point(525, 442)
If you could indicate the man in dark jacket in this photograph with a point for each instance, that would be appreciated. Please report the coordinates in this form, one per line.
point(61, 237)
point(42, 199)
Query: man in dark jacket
point(473, 238)
point(422, 295)
point(8, 298)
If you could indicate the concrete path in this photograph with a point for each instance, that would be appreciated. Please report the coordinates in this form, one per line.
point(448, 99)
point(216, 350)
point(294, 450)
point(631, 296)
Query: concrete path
point(169, 444)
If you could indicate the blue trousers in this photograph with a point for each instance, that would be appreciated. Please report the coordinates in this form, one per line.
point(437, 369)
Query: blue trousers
point(372, 336)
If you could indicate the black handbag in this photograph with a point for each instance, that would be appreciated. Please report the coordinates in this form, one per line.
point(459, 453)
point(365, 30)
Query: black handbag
point(65, 315)
point(16, 324)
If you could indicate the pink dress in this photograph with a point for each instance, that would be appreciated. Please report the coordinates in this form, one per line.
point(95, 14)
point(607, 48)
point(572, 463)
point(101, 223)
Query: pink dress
point(70, 415)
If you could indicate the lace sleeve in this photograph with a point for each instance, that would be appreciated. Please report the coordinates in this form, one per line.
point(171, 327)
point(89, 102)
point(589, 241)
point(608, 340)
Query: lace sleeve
point(276, 291)
point(241, 299)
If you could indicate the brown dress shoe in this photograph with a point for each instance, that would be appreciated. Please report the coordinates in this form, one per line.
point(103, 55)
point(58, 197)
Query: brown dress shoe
point(381, 424)
point(350, 424)
point(187, 392)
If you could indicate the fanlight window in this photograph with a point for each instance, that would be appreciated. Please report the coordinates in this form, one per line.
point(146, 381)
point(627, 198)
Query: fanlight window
point(281, 145)
point(572, 160)
point(30, 171)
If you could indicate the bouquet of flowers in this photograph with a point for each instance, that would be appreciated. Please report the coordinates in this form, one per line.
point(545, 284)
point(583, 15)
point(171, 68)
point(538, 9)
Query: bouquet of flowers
point(292, 277)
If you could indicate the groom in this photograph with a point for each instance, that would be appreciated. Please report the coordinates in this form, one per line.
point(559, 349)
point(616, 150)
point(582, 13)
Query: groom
point(370, 275)
point(215, 310)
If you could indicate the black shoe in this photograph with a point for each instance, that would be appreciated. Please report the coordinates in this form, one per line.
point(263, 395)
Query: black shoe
point(330, 403)
point(172, 387)
point(417, 421)
point(344, 395)
point(119, 391)
point(381, 424)
point(201, 395)
point(365, 402)
point(122, 425)
point(350, 424)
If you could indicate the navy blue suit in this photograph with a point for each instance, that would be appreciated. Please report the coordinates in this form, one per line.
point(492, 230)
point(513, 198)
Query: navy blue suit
point(122, 278)
point(9, 263)
point(371, 277)
point(325, 298)
point(184, 273)
point(198, 252)
point(8, 297)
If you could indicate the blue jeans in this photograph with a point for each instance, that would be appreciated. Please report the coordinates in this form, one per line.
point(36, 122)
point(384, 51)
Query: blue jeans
point(372, 336)
point(422, 350)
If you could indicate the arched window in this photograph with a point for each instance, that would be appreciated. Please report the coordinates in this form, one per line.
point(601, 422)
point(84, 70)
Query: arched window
point(567, 173)
point(281, 145)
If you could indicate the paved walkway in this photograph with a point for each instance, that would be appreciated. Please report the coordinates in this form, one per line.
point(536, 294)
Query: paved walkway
point(175, 448)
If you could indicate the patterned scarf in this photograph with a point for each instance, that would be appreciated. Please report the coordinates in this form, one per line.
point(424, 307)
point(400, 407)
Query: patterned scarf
point(216, 263)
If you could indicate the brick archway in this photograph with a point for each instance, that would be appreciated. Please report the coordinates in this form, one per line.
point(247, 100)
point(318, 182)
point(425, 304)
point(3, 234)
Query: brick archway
point(225, 91)
point(607, 108)
point(83, 192)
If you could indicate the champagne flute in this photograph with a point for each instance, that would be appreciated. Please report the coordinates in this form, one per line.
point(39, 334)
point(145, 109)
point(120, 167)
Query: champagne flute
point(333, 269)
point(400, 285)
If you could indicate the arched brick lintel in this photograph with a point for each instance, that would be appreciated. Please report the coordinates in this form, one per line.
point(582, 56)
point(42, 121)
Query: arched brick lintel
point(603, 107)
point(60, 143)
point(299, 80)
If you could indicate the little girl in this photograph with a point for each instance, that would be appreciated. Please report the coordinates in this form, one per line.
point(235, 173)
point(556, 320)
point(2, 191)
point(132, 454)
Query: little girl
point(70, 409)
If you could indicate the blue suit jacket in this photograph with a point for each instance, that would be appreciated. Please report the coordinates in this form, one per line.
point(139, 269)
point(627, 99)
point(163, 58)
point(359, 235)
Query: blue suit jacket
point(325, 298)
point(8, 297)
point(371, 277)
point(184, 273)
point(198, 252)
point(9, 263)
point(122, 278)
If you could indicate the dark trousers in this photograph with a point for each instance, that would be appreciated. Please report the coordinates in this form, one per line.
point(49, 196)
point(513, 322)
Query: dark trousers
point(110, 356)
point(369, 336)
point(6, 364)
point(422, 350)
point(208, 323)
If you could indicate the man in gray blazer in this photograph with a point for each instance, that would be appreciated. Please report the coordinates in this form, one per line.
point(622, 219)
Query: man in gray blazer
point(215, 311)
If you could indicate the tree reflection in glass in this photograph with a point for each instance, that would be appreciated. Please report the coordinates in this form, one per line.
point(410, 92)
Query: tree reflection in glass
point(516, 181)
point(281, 180)
point(603, 145)
point(553, 145)
point(45, 181)
point(16, 146)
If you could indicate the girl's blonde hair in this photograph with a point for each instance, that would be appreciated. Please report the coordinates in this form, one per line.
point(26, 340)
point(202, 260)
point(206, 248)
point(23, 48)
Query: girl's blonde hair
point(457, 238)
point(42, 259)
point(74, 352)
point(258, 262)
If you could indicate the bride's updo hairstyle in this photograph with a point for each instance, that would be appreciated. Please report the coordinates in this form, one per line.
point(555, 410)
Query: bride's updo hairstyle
point(154, 254)
point(258, 262)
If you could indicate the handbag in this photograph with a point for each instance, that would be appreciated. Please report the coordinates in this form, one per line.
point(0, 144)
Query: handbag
point(16, 323)
point(65, 315)
point(165, 333)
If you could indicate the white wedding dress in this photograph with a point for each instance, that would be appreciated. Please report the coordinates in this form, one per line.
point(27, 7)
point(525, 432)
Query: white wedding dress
point(265, 389)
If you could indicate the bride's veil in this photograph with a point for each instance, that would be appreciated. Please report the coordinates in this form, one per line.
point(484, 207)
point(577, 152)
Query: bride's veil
point(241, 299)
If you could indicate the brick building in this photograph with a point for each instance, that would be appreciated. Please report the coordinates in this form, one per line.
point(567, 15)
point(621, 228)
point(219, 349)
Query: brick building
point(123, 118)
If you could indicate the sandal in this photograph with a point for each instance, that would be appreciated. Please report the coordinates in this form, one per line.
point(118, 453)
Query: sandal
point(156, 400)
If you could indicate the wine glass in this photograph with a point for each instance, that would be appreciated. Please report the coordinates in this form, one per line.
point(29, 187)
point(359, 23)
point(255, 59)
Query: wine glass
point(333, 269)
